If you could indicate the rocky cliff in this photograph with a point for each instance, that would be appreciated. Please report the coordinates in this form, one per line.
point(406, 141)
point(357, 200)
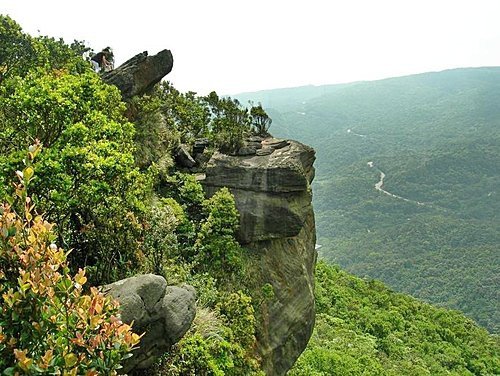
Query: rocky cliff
point(273, 195)
point(270, 180)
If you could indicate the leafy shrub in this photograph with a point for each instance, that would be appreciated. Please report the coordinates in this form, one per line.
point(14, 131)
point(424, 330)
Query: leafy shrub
point(238, 312)
point(44, 105)
point(155, 139)
point(47, 323)
point(21, 53)
point(186, 113)
point(218, 252)
point(16, 47)
point(229, 124)
point(88, 182)
point(260, 120)
point(160, 240)
point(184, 190)
point(220, 342)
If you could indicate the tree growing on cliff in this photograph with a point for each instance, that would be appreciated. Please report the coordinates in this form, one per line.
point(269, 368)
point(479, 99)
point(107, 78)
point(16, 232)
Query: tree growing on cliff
point(17, 48)
point(88, 181)
point(218, 252)
point(229, 123)
point(21, 52)
point(260, 120)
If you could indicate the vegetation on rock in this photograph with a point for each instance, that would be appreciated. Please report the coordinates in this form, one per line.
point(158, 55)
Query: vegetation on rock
point(119, 204)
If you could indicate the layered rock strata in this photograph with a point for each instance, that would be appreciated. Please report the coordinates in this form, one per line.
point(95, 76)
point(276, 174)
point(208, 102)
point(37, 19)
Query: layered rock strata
point(273, 195)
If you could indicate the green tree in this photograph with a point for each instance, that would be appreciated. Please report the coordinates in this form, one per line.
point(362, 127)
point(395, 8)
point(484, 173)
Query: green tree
point(229, 123)
point(21, 53)
point(260, 120)
point(89, 184)
point(217, 249)
point(185, 112)
point(17, 51)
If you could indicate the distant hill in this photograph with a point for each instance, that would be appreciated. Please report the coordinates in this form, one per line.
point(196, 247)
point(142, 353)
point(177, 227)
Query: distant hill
point(436, 138)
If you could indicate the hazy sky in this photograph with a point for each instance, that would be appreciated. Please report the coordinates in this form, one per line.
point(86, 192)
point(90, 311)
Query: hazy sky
point(233, 46)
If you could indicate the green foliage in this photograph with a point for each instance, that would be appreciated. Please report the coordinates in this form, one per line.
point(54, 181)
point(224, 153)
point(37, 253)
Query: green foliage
point(230, 123)
point(155, 139)
point(44, 105)
point(362, 328)
point(47, 324)
point(188, 192)
point(206, 228)
point(260, 120)
point(219, 343)
point(238, 312)
point(217, 249)
point(88, 182)
point(22, 53)
point(160, 240)
point(17, 48)
point(186, 113)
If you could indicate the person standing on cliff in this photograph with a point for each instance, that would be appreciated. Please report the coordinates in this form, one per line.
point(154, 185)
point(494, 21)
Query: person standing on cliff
point(103, 61)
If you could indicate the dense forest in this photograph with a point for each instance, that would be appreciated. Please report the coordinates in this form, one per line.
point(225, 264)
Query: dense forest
point(90, 194)
point(436, 138)
point(362, 328)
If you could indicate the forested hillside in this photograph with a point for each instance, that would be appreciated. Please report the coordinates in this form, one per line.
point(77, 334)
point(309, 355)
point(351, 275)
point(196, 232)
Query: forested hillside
point(436, 138)
point(362, 328)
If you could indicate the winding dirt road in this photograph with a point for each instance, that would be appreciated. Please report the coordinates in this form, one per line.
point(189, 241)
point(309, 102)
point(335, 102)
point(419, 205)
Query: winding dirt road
point(379, 186)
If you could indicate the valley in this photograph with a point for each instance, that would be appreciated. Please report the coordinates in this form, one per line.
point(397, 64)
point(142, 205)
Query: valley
point(424, 219)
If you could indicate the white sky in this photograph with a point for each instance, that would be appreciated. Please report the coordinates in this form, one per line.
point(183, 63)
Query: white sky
point(233, 46)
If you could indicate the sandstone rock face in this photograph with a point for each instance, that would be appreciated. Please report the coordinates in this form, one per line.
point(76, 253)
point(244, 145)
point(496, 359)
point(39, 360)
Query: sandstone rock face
point(139, 74)
point(164, 313)
point(272, 191)
point(273, 195)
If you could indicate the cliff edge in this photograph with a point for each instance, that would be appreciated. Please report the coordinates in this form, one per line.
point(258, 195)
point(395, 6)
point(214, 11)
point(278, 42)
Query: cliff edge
point(273, 195)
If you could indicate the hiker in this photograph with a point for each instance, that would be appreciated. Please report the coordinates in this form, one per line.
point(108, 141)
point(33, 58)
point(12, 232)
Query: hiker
point(103, 61)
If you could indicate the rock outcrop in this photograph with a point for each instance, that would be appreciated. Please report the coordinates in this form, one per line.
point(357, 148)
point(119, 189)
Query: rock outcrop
point(139, 74)
point(273, 195)
point(164, 313)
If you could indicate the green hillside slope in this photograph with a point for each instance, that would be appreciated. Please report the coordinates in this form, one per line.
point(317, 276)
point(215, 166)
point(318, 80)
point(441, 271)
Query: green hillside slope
point(362, 328)
point(436, 138)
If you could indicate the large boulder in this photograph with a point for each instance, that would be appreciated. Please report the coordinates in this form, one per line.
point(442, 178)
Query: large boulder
point(163, 313)
point(139, 74)
point(183, 157)
point(273, 195)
